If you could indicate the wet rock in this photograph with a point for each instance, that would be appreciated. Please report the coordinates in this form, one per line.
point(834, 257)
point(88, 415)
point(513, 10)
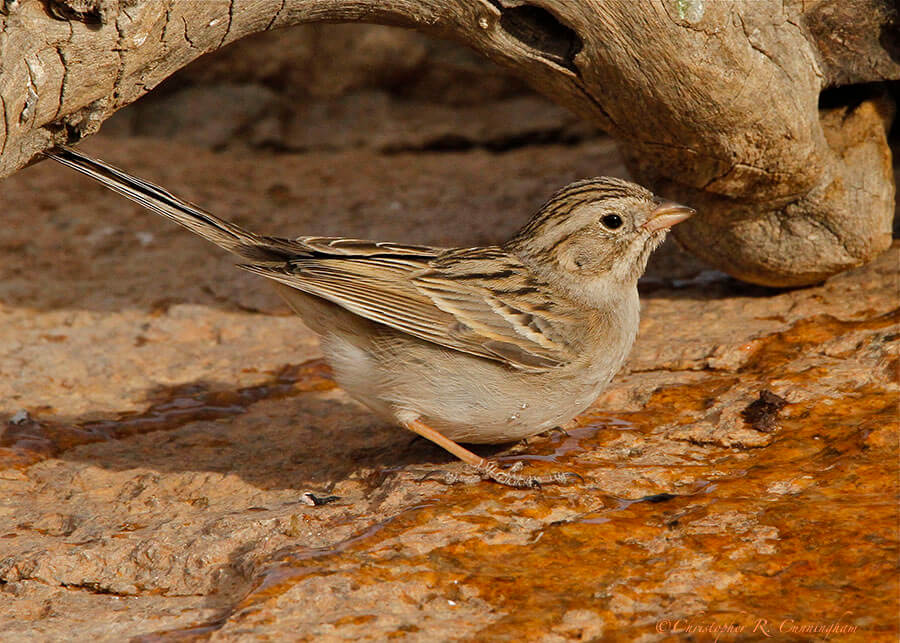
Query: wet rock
point(164, 419)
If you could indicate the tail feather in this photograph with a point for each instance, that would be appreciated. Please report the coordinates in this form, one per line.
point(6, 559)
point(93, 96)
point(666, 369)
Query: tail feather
point(220, 232)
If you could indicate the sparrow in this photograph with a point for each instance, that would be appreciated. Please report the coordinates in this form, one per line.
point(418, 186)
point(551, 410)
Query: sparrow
point(481, 345)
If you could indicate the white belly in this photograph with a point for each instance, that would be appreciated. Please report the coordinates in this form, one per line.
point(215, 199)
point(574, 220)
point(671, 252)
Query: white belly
point(467, 399)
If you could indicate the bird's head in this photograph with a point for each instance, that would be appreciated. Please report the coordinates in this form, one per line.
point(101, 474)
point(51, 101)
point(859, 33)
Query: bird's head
point(599, 232)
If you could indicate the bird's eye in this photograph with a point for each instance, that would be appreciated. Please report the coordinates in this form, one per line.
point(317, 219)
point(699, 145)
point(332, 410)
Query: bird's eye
point(612, 221)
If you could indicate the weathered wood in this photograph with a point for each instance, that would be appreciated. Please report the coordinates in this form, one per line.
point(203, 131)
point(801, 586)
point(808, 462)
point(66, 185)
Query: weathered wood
point(714, 103)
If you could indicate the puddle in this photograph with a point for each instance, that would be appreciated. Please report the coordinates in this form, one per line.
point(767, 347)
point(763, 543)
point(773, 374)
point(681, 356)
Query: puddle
point(27, 440)
point(813, 518)
point(770, 354)
point(802, 531)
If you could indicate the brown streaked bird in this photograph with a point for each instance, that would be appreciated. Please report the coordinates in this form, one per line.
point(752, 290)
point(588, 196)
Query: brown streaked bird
point(481, 345)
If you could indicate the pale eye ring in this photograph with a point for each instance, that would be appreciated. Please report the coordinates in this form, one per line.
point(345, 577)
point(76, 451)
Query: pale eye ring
point(612, 221)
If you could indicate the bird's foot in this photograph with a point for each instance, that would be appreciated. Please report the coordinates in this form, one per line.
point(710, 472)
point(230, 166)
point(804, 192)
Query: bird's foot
point(487, 469)
point(451, 478)
point(512, 478)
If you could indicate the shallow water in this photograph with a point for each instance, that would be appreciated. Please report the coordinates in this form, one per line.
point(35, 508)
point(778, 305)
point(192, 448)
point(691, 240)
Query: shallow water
point(31, 440)
point(795, 537)
point(689, 521)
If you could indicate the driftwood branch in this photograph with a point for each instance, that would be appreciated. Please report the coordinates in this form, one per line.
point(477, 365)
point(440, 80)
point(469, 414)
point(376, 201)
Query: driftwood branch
point(713, 103)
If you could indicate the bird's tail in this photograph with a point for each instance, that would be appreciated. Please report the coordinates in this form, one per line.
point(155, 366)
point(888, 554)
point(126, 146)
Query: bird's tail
point(220, 232)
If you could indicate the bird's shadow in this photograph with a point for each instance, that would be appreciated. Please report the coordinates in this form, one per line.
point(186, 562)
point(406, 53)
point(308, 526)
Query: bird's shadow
point(274, 435)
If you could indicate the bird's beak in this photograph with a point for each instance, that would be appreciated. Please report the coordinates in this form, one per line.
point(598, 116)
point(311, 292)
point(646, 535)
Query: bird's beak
point(667, 214)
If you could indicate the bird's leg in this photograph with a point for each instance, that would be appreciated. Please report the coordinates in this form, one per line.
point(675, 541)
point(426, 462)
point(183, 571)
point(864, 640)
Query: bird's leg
point(484, 466)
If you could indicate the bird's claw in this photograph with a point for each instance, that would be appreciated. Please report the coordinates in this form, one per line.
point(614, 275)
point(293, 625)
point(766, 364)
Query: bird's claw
point(509, 477)
point(512, 478)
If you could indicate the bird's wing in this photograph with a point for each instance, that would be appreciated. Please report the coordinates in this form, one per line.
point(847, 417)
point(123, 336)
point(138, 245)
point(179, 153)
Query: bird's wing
point(498, 304)
point(479, 301)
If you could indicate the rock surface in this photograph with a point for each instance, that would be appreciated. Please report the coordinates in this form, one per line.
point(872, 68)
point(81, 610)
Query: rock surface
point(164, 418)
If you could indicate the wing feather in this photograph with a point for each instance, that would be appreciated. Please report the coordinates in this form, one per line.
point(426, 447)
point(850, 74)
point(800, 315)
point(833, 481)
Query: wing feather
point(479, 301)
